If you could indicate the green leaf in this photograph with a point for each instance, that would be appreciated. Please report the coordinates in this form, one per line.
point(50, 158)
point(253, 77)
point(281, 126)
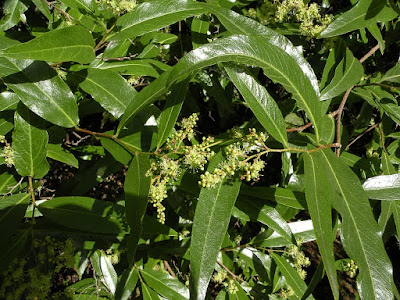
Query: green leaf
point(136, 187)
point(260, 102)
point(362, 237)
point(258, 261)
point(376, 33)
point(363, 14)
point(12, 249)
point(171, 111)
point(41, 90)
point(7, 181)
point(251, 50)
point(239, 24)
point(85, 214)
point(257, 210)
point(58, 153)
point(109, 89)
point(261, 52)
point(6, 122)
point(136, 67)
point(72, 43)
point(12, 211)
point(348, 72)
point(150, 16)
point(319, 205)
point(127, 283)
point(8, 101)
point(292, 277)
point(108, 275)
point(29, 144)
point(393, 75)
point(43, 7)
point(12, 10)
point(198, 30)
point(148, 293)
point(165, 285)
point(383, 187)
point(211, 219)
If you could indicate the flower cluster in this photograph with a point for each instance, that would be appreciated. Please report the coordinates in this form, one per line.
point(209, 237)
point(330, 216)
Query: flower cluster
point(118, 6)
point(350, 268)
point(298, 259)
point(308, 16)
point(286, 292)
point(239, 158)
point(7, 152)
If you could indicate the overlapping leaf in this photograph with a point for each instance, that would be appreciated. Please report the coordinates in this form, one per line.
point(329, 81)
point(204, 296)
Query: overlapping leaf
point(72, 43)
point(150, 16)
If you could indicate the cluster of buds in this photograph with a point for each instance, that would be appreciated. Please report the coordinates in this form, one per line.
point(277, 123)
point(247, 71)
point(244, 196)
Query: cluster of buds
point(286, 292)
point(196, 156)
point(186, 131)
point(7, 152)
point(298, 259)
point(239, 158)
point(350, 268)
point(118, 6)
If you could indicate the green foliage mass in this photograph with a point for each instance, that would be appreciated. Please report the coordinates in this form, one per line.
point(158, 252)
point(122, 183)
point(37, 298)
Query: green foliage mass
point(199, 149)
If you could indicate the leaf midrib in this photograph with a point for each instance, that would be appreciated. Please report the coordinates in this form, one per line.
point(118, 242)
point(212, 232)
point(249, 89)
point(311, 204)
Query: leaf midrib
point(15, 205)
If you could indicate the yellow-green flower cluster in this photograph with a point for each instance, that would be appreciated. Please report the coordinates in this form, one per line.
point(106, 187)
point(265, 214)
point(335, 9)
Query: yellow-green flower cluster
point(298, 259)
point(232, 288)
point(118, 6)
point(220, 276)
point(196, 156)
point(350, 268)
point(307, 15)
point(7, 152)
point(286, 292)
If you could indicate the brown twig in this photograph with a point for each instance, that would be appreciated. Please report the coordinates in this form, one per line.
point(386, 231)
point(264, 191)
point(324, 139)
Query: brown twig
point(343, 103)
point(51, 4)
point(299, 129)
point(99, 44)
point(360, 135)
point(231, 273)
point(168, 267)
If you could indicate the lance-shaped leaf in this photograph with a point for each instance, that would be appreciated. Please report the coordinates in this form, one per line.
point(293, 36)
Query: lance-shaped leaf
point(362, 237)
point(239, 24)
point(29, 144)
point(348, 72)
point(260, 102)
point(127, 283)
point(293, 279)
point(136, 187)
point(41, 90)
point(12, 9)
point(165, 285)
point(85, 214)
point(393, 75)
point(257, 210)
point(211, 219)
point(148, 293)
point(72, 43)
point(57, 152)
point(171, 111)
point(318, 197)
point(111, 90)
point(251, 50)
point(150, 16)
point(383, 187)
point(363, 14)
point(136, 67)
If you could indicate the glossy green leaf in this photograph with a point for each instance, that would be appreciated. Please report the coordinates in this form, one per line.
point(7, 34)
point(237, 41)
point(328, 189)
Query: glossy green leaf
point(319, 205)
point(43, 7)
point(260, 102)
point(12, 211)
point(148, 293)
point(376, 33)
point(12, 11)
point(8, 101)
point(363, 14)
point(171, 111)
point(136, 187)
point(251, 50)
point(109, 89)
point(72, 43)
point(29, 144)
point(239, 24)
point(127, 284)
point(393, 75)
point(41, 90)
point(85, 214)
point(199, 29)
point(362, 237)
point(7, 181)
point(6, 122)
point(85, 5)
point(292, 277)
point(383, 187)
point(165, 285)
point(156, 37)
point(150, 16)
point(58, 153)
point(257, 210)
point(348, 72)
point(136, 67)
point(258, 261)
point(211, 219)
point(108, 274)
